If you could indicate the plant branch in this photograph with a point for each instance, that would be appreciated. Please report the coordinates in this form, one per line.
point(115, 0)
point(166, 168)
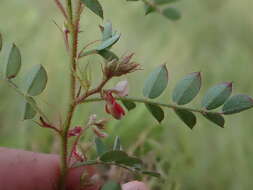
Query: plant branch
point(73, 26)
point(151, 4)
point(76, 141)
point(34, 106)
point(95, 162)
point(61, 8)
point(82, 98)
point(147, 101)
point(82, 54)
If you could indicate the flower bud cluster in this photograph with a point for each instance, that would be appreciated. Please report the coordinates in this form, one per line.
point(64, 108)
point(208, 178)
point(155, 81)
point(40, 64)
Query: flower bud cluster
point(120, 67)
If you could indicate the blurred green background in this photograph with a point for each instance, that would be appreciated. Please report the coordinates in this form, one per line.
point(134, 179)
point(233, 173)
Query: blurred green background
point(214, 37)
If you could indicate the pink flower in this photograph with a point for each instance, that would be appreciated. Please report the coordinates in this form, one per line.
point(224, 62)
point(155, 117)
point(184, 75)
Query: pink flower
point(121, 89)
point(112, 107)
point(75, 132)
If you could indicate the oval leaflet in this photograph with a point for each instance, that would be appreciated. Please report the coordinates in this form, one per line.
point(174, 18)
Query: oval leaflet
point(156, 82)
point(187, 89)
point(36, 81)
point(13, 64)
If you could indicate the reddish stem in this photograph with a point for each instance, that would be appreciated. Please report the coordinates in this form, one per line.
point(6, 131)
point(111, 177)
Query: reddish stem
point(61, 8)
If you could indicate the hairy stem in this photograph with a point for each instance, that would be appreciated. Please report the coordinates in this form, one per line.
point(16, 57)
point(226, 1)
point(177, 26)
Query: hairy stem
point(73, 27)
point(93, 91)
point(61, 8)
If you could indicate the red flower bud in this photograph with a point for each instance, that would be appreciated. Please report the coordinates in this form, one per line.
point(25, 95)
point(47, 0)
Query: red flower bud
point(75, 132)
point(112, 107)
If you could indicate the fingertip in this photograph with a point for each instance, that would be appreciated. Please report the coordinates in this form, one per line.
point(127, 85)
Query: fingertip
point(135, 185)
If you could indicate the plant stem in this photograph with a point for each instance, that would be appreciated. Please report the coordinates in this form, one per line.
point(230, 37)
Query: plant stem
point(82, 98)
point(147, 101)
point(73, 29)
point(95, 162)
point(27, 98)
point(61, 8)
point(151, 4)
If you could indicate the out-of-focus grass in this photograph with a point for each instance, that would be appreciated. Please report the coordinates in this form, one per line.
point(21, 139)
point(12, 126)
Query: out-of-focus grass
point(214, 37)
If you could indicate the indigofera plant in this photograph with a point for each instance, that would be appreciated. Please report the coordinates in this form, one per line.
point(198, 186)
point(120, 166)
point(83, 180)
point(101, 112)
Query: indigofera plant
point(115, 99)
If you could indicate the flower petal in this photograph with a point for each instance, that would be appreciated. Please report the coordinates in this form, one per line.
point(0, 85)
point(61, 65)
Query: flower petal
point(121, 89)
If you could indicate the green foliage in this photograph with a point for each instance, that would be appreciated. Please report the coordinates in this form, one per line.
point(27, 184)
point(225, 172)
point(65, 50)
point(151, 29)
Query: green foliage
point(129, 105)
point(216, 118)
point(148, 9)
point(113, 156)
point(28, 110)
point(100, 146)
point(162, 2)
point(117, 144)
point(36, 80)
point(237, 103)
point(156, 82)
point(107, 31)
point(111, 185)
point(13, 64)
point(1, 42)
point(187, 117)
point(108, 55)
point(187, 89)
point(171, 13)
point(150, 173)
point(109, 42)
point(156, 111)
point(94, 6)
point(217, 95)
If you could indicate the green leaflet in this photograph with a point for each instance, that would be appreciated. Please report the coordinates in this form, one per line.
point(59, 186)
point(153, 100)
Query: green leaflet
point(128, 104)
point(36, 81)
point(1, 42)
point(121, 157)
point(187, 117)
point(100, 146)
point(109, 42)
point(28, 111)
point(156, 82)
point(187, 89)
point(216, 118)
point(106, 30)
point(156, 112)
point(151, 173)
point(237, 103)
point(108, 55)
point(13, 64)
point(94, 6)
point(171, 13)
point(112, 156)
point(217, 95)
